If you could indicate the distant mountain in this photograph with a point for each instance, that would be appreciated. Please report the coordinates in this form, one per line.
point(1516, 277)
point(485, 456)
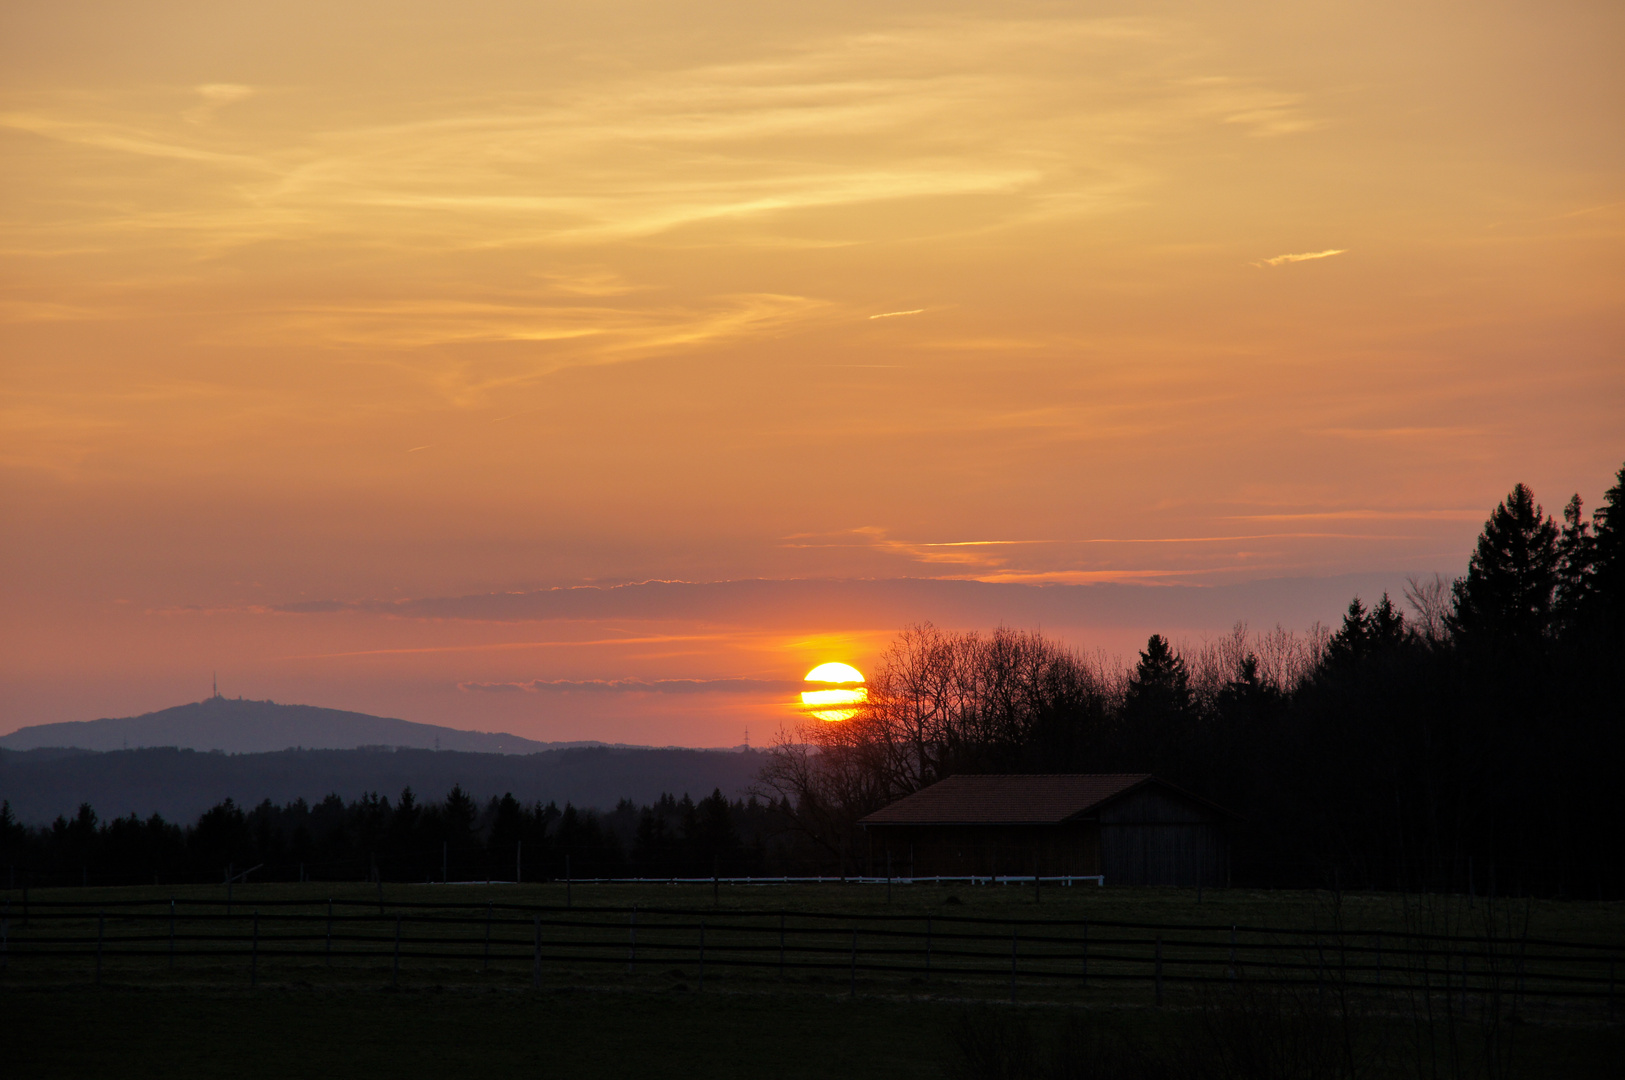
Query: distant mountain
point(257, 727)
point(181, 784)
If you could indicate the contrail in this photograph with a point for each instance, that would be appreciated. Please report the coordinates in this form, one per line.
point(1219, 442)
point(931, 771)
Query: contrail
point(894, 314)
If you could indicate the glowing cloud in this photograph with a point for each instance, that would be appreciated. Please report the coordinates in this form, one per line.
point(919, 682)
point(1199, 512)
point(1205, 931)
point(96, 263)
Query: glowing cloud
point(1303, 257)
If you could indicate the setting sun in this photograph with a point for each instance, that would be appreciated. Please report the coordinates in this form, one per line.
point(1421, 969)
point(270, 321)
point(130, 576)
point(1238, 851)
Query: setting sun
point(837, 703)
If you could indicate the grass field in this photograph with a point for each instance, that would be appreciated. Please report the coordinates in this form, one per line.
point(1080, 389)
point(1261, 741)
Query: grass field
point(588, 1020)
point(1602, 922)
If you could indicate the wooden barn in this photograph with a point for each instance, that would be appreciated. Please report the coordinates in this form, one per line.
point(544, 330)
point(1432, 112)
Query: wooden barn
point(1130, 827)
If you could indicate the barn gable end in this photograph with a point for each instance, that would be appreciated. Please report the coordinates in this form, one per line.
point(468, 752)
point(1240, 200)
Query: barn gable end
point(1132, 828)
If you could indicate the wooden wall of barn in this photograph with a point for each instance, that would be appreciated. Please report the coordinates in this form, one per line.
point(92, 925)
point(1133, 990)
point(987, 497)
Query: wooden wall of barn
point(1152, 837)
point(958, 850)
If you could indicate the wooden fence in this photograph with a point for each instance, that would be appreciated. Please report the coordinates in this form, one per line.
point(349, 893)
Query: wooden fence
point(362, 939)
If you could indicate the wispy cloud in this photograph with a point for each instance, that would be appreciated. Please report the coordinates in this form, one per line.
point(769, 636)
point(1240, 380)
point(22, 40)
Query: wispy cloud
point(216, 96)
point(636, 686)
point(1463, 514)
point(1302, 257)
point(507, 646)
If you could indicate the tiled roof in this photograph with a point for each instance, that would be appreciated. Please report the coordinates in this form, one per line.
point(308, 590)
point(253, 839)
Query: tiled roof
point(1006, 800)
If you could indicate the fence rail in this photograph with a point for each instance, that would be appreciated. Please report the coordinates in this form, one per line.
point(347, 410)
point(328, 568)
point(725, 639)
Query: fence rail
point(218, 939)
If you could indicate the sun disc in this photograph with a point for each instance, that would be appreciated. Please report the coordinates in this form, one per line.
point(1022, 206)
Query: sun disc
point(840, 702)
point(841, 673)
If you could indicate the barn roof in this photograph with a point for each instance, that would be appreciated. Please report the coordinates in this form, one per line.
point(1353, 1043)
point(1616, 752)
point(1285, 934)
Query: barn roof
point(1009, 800)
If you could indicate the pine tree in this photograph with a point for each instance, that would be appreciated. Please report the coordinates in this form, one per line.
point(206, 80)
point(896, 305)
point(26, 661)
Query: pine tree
point(1160, 683)
point(1606, 596)
point(1366, 632)
point(1576, 556)
point(1507, 593)
point(1350, 640)
point(1386, 626)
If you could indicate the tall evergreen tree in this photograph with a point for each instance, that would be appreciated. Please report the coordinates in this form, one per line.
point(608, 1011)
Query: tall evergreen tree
point(1160, 684)
point(1606, 595)
point(1576, 556)
point(1350, 641)
point(1507, 593)
point(1158, 712)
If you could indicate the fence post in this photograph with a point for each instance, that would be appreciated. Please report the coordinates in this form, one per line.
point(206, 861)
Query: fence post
point(1610, 989)
point(1159, 969)
point(1085, 981)
point(172, 933)
point(5, 937)
point(1013, 933)
point(928, 946)
point(380, 879)
point(519, 862)
point(854, 986)
point(329, 931)
point(1231, 970)
point(395, 971)
point(569, 900)
point(888, 875)
point(254, 955)
point(486, 961)
point(632, 942)
point(1379, 961)
point(101, 919)
point(702, 956)
point(536, 956)
point(781, 946)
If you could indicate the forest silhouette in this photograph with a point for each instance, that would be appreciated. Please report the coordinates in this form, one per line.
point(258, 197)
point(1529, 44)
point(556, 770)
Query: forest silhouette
point(1463, 737)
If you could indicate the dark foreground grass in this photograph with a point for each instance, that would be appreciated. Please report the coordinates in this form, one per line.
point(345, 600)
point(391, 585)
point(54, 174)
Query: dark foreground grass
point(1590, 921)
point(451, 1018)
point(495, 1033)
point(491, 1034)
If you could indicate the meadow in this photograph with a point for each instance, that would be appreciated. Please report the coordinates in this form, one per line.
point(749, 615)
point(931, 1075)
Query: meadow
point(570, 1010)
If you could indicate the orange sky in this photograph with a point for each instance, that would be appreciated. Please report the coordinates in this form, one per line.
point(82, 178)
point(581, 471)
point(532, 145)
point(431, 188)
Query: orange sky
point(320, 322)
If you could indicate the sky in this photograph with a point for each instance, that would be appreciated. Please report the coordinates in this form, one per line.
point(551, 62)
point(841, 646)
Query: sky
point(594, 371)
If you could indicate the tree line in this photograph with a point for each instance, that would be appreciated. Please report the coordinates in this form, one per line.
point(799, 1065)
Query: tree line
point(409, 839)
point(1467, 735)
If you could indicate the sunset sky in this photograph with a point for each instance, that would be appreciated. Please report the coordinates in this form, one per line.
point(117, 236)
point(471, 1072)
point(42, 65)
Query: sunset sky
point(594, 370)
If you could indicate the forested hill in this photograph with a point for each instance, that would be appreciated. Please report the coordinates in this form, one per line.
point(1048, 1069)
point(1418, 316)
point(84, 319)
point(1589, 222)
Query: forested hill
point(255, 727)
point(181, 784)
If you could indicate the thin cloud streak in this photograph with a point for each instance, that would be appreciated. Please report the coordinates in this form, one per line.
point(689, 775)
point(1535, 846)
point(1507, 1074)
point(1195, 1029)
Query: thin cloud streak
point(1307, 256)
point(637, 686)
point(505, 646)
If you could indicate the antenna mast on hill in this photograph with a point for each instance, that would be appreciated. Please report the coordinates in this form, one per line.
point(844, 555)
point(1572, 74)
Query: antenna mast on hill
point(216, 677)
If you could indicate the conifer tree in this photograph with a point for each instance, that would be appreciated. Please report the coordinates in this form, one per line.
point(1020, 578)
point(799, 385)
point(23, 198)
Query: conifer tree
point(1606, 595)
point(1160, 679)
point(1576, 555)
point(1350, 641)
point(1386, 625)
point(1507, 593)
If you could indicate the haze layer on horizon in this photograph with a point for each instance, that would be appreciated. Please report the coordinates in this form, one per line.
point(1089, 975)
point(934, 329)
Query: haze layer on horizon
point(324, 325)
